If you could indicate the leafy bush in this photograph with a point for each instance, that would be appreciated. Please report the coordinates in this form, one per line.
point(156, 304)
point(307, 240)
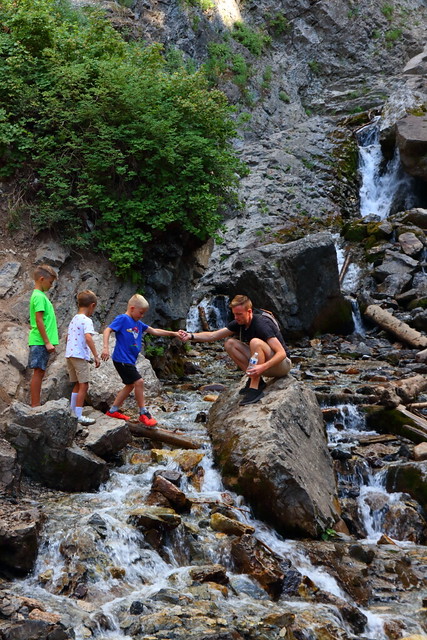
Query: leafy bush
point(254, 41)
point(277, 24)
point(115, 148)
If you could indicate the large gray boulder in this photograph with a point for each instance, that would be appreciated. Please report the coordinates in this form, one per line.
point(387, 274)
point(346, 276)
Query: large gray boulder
point(411, 138)
point(297, 281)
point(43, 438)
point(275, 454)
point(10, 471)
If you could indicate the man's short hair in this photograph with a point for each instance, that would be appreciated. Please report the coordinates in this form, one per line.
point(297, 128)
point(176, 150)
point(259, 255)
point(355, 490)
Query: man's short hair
point(241, 300)
point(138, 301)
point(86, 298)
point(45, 271)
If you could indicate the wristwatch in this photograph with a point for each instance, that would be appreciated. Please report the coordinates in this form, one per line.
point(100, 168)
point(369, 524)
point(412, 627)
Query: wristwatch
point(191, 336)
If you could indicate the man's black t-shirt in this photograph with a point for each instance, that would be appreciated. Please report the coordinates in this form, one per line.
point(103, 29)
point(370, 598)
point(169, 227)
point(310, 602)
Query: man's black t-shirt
point(260, 327)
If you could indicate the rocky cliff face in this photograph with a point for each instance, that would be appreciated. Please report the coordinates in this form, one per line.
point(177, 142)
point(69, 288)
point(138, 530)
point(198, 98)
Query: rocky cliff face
point(328, 66)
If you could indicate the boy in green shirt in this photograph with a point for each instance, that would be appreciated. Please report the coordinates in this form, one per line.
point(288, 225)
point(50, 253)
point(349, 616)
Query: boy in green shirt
point(43, 334)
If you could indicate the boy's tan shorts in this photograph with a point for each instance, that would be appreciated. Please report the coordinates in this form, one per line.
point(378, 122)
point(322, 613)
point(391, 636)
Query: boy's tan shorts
point(78, 370)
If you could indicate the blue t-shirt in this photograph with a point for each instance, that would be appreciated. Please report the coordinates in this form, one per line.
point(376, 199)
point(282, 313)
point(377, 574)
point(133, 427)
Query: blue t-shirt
point(129, 334)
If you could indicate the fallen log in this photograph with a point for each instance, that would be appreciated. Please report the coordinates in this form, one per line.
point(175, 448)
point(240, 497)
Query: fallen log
point(420, 422)
point(417, 405)
point(344, 267)
point(175, 438)
point(400, 329)
point(421, 356)
point(392, 394)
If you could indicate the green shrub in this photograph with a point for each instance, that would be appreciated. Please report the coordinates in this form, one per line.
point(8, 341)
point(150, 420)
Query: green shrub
point(392, 35)
point(283, 96)
point(254, 41)
point(120, 150)
point(387, 11)
point(277, 24)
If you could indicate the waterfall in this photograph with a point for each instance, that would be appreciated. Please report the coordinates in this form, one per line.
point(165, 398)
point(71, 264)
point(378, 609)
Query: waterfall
point(384, 184)
point(215, 310)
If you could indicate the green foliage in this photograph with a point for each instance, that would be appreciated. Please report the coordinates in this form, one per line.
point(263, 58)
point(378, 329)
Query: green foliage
point(283, 96)
point(254, 41)
point(392, 35)
point(277, 24)
point(204, 5)
point(387, 11)
point(122, 146)
point(152, 349)
point(223, 62)
point(314, 66)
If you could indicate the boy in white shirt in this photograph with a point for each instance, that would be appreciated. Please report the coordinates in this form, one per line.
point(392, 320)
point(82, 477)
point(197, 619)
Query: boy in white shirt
point(80, 344)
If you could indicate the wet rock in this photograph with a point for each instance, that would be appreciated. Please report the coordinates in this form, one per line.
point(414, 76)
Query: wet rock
point(409, 477)
point(411, 138)
point(211, 573)
point(187, 460)
point(403, 521)
point(288, 425)
point(350, 613)
point(159, 518)
point(107, 436)
point(256, 559)
point(175, 496)
point(19, 538)
point(229, 526)
point(172, 476)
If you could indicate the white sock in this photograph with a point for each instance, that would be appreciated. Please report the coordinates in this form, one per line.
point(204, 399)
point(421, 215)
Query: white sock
point(73, 401)
point(78, 411)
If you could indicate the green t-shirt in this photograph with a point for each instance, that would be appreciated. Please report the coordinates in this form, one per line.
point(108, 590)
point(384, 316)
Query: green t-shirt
point(40, 302)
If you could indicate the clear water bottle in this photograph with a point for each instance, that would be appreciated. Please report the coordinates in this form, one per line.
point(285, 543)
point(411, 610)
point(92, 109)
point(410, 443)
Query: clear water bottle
point(253, 361)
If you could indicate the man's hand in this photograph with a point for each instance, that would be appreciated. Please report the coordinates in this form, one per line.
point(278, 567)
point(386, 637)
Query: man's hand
point(105, 354)
point(255, 370)
point(97, 362)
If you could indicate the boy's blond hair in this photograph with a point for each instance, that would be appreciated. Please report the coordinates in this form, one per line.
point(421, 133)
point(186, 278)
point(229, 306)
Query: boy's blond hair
point(138, 301)
point(86, 298)
point(44, 271)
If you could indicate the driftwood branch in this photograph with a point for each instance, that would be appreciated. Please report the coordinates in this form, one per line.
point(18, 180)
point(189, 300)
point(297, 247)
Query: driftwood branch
point(177, 439)
point(400, 329)
point(392, 394)
point(344, 267)
point(420, 422)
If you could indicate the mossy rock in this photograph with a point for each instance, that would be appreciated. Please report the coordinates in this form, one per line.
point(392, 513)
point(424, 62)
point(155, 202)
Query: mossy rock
point(419, 302)
point(392, 421)
point(380, 230)
point(410, 478)
point(355, 231)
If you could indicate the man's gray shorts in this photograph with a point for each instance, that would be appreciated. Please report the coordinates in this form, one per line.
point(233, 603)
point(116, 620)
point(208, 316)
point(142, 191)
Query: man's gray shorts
point(38, 357)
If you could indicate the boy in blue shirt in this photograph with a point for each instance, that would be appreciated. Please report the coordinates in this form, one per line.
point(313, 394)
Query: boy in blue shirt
point(129, 331)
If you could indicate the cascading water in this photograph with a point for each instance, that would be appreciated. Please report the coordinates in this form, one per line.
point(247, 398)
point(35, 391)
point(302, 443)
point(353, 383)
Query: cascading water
point(384, 184)
point(215, 310)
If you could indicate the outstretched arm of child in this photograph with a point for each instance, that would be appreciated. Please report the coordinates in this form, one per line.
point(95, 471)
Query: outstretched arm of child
point(105, 348)
point(162, 333)
point(42, 329)
point(90, 343)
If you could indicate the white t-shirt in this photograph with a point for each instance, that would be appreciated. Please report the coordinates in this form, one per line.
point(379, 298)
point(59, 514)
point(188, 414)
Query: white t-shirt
point(76, 341)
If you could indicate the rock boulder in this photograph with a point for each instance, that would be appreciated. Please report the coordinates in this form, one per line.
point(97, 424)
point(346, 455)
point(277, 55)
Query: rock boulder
point(43, 438)
point(411, 138)
point(275, 454)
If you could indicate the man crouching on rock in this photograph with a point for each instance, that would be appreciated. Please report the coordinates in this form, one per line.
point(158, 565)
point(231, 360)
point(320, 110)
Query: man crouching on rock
point(250, 337)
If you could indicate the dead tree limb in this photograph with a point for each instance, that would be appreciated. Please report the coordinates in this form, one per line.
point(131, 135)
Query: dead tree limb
point(176, 439)
point(400, 329)
point(203, 319)
point(392, 394)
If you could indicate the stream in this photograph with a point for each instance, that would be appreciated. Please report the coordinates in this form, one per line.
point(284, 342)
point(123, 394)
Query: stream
point(107, 580)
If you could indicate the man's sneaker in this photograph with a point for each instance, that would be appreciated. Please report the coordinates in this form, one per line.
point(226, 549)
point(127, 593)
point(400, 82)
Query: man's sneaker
point(118, 415)
point(147, 420)
point(261, 386)
point(251, 396)
point(85, 421)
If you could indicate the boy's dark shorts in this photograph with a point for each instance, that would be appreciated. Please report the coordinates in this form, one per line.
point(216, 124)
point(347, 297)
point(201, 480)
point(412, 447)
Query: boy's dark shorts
point(128, 372)
point(38, 357)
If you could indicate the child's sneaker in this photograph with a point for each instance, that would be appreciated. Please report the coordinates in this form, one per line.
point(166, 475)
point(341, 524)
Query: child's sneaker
point(85, 421)
point(147, 420)
point(118, 415)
